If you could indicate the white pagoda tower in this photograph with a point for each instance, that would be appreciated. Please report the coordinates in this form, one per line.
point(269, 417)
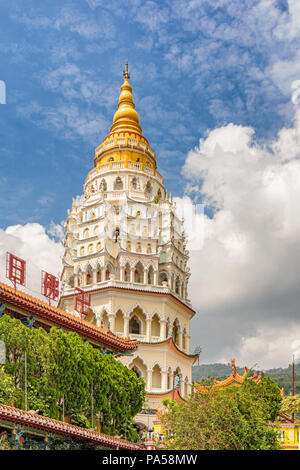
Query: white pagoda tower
point(125, 246)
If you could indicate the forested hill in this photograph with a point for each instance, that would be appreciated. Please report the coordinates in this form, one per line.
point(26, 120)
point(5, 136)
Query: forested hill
point(283, 377)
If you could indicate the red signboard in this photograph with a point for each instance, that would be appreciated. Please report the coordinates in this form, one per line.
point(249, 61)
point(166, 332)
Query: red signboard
point(82, 302)
point(50, 286)
point(15, 269)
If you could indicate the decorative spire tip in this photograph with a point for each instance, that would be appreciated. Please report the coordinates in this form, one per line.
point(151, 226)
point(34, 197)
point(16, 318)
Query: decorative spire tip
point(125, 72)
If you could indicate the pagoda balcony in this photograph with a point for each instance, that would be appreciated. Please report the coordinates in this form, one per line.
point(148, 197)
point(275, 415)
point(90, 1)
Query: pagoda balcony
point(124, 285)
point(123, 166)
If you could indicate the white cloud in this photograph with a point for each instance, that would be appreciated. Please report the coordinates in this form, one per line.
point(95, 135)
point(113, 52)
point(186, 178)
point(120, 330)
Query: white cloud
point(31, 243)
point(245, 279)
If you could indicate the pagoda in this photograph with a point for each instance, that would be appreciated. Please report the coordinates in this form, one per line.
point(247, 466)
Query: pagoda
point(125, 248)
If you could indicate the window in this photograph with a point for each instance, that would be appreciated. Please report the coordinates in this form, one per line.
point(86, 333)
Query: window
point(134, 326)
point(82, 251)
point(118, 183)
point(99, 246)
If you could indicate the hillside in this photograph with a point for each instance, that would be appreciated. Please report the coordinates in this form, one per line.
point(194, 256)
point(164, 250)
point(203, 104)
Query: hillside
point(282, 376)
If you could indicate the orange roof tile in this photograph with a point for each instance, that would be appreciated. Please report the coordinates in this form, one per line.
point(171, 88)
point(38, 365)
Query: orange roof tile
point(61, 318)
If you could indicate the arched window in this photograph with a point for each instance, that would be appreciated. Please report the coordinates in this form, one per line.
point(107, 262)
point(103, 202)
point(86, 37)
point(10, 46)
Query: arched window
point(134, 325)
point(98, 274)
point(128, 246)
point(103, 185)
point(89, 276)
point(91, 248)
point(138, 247)
point(156, 376)
point(82, 251)
point(149, 249)
point(108, 272)
point(148, 188)
point(86, 233)
point(127, 272)
point(139, 273)
point(162, 278)
point(151, 275)
point(118, 184)
point(99, 246)
point(177, 285)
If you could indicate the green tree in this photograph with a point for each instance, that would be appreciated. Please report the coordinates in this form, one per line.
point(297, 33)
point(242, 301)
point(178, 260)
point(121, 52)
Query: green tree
point(229, 418)
point(62, 369)
point(290, 404)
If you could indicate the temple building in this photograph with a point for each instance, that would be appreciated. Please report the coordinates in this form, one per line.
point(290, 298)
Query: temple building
point(125, 247)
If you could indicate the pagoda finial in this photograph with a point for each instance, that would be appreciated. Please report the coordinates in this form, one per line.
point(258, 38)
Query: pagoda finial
point(125, 72)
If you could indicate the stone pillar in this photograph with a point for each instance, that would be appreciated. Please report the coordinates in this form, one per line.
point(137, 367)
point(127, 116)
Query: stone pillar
point(187, 343)
point(145, 276)
point(111, 319)
point(95, 276)
point(163, 329)
point(180, 339)
point(132, 275)
point(149, 380)
point(155, 278)
point(164, 380)
point(75, 280)
point(148, 330)
point(121, 273)
point(126, 326)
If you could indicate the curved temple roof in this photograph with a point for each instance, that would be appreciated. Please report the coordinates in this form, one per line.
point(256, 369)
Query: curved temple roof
point(234, 378)
point(9, 414)
point(57, 317)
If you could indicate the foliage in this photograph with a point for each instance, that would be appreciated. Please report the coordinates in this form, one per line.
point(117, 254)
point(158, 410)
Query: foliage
point(233, 418)
point(64, 371)
point(290, 404)
point(81, 421)
point(8, 391)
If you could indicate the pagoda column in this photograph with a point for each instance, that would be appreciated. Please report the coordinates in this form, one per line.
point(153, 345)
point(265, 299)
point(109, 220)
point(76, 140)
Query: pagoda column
point(163, 329)
point(149, 380)
point(126, 327)
point(187, 343)
point(148, 330)
point(180, 339)
point(145, 276)
point(111, 319)
point(164, 380)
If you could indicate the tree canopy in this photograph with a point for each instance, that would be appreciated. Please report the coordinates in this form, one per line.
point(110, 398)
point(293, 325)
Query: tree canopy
point(64, 371)
point(232, 418)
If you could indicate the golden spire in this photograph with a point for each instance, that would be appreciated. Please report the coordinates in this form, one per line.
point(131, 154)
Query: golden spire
point(126, 118)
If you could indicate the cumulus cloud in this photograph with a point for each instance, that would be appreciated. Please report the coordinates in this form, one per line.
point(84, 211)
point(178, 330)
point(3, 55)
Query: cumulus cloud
point(246, 272)
point(41, 252)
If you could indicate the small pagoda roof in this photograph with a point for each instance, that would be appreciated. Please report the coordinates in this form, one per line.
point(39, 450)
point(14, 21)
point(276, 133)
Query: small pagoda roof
point(52, 316)
point(234, 378)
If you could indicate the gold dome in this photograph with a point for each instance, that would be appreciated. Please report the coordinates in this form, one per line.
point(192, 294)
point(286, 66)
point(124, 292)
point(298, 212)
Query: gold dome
point(126, 118)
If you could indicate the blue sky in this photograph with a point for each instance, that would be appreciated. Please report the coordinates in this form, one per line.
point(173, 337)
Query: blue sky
point(194, 66)
point(217, 86)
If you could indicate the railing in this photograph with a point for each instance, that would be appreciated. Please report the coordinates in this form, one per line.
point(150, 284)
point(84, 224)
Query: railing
point(125, 142)
point(135, 166)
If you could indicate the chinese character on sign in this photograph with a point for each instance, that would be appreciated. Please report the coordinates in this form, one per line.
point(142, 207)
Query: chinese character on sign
point(82, 302)
point(50, 286)
point(15, 269)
